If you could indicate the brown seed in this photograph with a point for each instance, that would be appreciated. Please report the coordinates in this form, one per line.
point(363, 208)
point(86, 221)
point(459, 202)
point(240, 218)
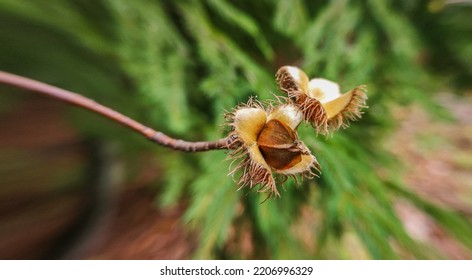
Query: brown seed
point(276, 142)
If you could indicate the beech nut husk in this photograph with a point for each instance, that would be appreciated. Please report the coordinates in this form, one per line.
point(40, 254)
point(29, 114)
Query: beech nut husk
point(269, 145)
point(320, 100)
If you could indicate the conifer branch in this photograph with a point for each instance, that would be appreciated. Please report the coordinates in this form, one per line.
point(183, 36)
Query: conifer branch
point(89, 104)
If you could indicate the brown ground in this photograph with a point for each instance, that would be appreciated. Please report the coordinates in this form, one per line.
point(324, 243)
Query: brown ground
point(42, 215)
point(438, 158)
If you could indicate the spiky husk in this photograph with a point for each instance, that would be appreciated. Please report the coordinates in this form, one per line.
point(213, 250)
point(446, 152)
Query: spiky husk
point(310, 171)
point(253, 167)
point(313, 111)
point(253, 173)
point(352, 111)
point(287, 84)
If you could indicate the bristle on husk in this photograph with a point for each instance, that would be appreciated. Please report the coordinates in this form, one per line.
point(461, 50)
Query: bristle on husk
point(352, 111)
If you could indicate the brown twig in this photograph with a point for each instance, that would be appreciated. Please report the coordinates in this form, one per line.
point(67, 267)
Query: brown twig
point(86, 103)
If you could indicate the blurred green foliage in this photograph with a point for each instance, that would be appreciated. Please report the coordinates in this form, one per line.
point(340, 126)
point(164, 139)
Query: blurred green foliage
point(178, 65)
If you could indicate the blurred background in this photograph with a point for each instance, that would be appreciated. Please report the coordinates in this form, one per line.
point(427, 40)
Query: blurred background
point(395, 185)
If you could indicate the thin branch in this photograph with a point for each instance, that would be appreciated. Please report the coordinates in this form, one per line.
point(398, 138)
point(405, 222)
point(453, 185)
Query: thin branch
point(86, 103)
